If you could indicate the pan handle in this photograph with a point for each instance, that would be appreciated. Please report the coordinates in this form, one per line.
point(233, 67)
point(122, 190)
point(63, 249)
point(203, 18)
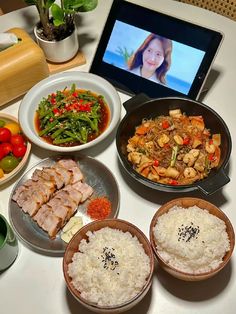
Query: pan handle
point(218, 181)
point(135, 101)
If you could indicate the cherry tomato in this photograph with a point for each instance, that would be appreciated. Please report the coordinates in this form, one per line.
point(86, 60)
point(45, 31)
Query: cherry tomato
point(5, 135)
point(13, 127)
point(19, 150)
point(9, 163)
point(6, 148)
point(17, 139)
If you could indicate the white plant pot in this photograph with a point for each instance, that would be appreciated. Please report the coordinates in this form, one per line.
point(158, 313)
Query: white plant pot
point(59, 51)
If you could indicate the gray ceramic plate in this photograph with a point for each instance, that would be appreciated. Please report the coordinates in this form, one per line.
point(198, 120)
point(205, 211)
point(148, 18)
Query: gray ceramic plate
point(95, 174)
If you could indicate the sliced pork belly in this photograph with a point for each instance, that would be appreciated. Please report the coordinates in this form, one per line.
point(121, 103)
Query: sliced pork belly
point(60, 209)
point(83, 188)
point(66, 200)
point(73, 167)
point(66, 174)
point(42, 214)
point(48, 210)
point(53, 194)
point(62, 212)
point(73, 193)
point(67, 163)
point(33, 194)
point(46, 187)
point(51, 224)
point(49, 175)
point(32, 204)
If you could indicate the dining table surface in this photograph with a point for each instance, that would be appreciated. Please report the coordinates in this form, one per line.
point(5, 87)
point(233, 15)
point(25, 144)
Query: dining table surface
point(35, 282)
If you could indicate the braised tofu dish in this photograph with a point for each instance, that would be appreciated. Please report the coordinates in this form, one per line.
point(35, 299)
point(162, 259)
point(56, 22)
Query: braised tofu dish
point(176, 149)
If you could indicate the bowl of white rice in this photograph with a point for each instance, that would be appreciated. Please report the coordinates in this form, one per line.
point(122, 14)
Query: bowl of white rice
point(191, 238)
point(108, 266)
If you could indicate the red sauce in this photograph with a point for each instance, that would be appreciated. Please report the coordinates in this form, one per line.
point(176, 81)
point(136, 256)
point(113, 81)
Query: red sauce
point(99, 208)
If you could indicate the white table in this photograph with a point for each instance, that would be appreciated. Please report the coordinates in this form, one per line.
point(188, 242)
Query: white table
point(35, 283)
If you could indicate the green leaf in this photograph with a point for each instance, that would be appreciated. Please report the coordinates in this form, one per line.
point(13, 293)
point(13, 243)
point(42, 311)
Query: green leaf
point(58, 22)
point(49, 3)
point(71, 4)
point(57, 14)
point(88, 5)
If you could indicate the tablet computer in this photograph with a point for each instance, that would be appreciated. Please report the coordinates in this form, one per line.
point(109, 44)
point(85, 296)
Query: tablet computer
point(146, 51)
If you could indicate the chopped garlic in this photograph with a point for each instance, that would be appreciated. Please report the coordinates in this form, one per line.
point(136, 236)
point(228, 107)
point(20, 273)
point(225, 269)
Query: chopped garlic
point(70, 229)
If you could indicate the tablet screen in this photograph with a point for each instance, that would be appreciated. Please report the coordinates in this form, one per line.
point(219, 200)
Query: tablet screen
point(158, 54)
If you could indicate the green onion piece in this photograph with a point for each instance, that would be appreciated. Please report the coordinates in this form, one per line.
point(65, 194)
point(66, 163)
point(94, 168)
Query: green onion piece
point(63, 140)
point(173, 156)
point(48, 128)
point(84, 134)
point(57, 133)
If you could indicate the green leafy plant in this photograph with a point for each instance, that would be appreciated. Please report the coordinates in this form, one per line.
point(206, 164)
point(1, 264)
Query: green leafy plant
point(57, 20)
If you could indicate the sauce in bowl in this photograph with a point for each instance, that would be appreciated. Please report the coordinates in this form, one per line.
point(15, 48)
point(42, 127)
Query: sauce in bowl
point(71, 117)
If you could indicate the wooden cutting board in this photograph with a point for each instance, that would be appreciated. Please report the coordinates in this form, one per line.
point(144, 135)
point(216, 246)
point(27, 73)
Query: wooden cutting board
point(79, 59)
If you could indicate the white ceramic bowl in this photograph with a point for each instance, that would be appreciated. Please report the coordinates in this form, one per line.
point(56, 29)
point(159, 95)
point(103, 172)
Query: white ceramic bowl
point(83, 80)
point(8, 176)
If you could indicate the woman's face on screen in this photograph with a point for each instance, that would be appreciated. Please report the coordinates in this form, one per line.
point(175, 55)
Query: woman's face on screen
point(153, 56)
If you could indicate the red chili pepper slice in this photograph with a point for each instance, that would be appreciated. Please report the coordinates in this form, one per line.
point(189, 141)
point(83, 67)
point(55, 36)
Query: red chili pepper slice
point(186, 140)
point(165, 124)
point(173, 182)
point(75, 94)
point(211, 157)
point(156, 163)
point(53, 101)
point(56, 111)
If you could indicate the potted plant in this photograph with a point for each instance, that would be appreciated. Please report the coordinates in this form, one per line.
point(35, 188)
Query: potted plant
point(56, 31)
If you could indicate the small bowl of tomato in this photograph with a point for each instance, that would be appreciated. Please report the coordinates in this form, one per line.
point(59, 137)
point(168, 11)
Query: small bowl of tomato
point(14, 148)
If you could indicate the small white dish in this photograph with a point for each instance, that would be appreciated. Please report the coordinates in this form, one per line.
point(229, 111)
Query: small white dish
point(82, 80)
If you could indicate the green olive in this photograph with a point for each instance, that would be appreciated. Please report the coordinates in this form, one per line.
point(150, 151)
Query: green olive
point(9, 163)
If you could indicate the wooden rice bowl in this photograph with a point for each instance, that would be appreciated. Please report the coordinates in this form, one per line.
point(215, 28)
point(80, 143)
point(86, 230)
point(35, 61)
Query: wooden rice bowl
point(73, 247)
point(186, 202)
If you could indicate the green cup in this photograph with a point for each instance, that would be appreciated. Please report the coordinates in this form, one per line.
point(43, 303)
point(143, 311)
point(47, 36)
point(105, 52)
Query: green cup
point(8, 244)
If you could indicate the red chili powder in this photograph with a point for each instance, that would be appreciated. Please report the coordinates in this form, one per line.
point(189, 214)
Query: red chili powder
point(99, 208)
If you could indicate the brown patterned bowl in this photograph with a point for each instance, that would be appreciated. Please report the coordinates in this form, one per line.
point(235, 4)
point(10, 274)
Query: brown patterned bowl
point(187, 202)
point(73, 247)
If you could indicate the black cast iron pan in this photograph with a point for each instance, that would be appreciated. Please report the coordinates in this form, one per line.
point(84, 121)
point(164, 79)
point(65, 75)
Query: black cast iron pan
point(141, 106)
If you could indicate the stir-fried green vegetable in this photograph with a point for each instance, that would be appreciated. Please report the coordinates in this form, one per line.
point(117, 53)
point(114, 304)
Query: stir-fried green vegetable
point(70, 116)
